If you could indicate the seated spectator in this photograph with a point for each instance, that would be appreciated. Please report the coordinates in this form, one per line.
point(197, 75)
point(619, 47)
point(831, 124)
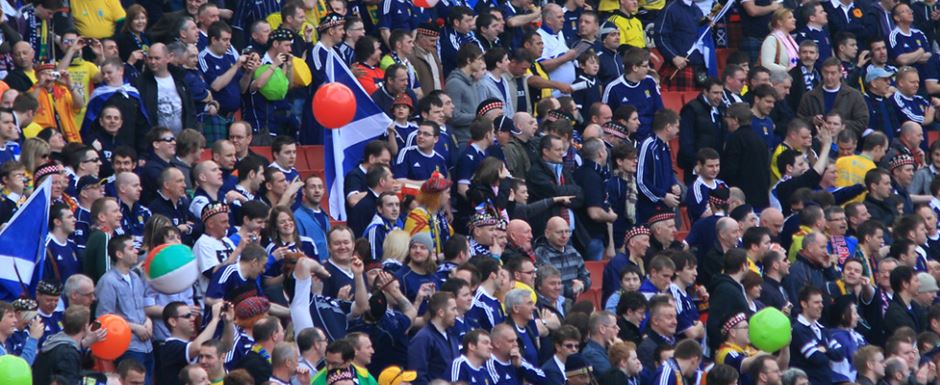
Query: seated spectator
point(556, 250)
point(566, 341)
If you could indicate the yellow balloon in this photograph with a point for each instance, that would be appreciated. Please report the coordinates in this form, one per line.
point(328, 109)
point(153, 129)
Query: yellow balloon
point(302, 73)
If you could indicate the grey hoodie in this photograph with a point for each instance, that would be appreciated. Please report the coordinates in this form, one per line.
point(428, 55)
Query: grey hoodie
point(60, 355)
point(460, 88)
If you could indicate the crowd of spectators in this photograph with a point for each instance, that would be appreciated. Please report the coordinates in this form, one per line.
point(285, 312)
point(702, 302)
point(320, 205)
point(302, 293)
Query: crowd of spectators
point(535, 214)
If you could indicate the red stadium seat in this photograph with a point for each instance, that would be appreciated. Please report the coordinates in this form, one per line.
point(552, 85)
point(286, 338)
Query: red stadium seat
point(264, 151)
point(932, 136)
point(593, 295)
point(673, 100)
point(596, 268)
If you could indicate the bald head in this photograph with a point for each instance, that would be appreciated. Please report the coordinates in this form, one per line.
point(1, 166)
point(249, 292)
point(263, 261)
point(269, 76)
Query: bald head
point(557, 232)
point(519, 232)
point(772, 219)
point(591, 131)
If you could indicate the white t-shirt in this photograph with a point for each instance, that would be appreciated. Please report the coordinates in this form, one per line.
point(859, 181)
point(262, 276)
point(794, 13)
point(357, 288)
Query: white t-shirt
point(169, 105)
point(210, 252)
point(556, 46)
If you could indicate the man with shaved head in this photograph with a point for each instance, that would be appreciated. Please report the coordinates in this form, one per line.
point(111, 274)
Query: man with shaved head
point(163, 93)
point(813, 266)
point(727, 233)
point(208, 179)
point(772, 219)
point(223, 154)
point(20, 78)
point(520, 151)
point(135, 215)
point(556, 250)
point(520, 237)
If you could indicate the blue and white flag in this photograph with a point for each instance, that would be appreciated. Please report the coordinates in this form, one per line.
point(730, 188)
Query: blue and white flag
point(344, 146)
point(706, 44)
point(23, 246)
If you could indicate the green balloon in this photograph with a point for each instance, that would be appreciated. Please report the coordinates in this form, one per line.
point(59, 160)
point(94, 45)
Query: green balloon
point(14, 371)
point(769, 330)
point(276, 87)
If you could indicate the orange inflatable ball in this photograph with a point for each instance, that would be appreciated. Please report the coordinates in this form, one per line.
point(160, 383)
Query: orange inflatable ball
point(334, 105)
point(425, 3)
point(117, 341)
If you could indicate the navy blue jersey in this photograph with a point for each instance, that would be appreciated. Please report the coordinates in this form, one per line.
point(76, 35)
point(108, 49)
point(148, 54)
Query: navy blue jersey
point(397, 14)
point(82, 227)
point(505, 373)
point(644, 96)
point(134, 219)
point(338, 279)
point(463, 370)
point(686, 310)
point(61, 260)
point(486, 310)
point(228, 282)
point(415, 165)
point(910, 109)
point(212, 66)
point(273, 266)
point(696, 199)
point(764, 127)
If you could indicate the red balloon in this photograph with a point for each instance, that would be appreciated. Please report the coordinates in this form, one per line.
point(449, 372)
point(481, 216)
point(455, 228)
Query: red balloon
point(334, 105)
point(116, 342)
point(425, 3)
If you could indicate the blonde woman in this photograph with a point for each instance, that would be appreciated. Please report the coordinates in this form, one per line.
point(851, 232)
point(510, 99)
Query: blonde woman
point(395, 249)
point(779, 52)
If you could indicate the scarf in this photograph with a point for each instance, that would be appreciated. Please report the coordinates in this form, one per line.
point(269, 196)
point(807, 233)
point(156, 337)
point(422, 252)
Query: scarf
point(789, 45)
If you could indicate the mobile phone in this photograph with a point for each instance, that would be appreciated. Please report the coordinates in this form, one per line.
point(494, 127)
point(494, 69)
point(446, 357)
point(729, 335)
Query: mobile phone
point(226, 306)
point(246, 51)
point(95, 325)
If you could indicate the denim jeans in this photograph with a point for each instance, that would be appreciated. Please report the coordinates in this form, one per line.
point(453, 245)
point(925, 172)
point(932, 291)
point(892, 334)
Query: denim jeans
point(594, 250)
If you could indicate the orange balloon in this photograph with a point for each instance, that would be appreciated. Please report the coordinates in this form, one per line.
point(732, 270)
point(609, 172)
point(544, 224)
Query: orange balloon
point(334, 105)
point(117, 340)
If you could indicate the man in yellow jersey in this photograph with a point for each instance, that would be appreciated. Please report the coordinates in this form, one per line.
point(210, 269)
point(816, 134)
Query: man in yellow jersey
point(96, 18)
point(851, 170)
point(84, 74)
point(630, 27)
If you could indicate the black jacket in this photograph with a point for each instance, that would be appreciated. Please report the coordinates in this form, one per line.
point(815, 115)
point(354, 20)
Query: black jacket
point(543, 184)
point(256, 365)
point(698, 129)
point(147, 86)
point(746, 163)
point(18, 80)
point(59, 356)
point(733, 301)
point(898, 316)
point(883, 211)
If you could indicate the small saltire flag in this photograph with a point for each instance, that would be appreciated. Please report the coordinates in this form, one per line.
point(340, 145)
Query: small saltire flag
point(344, 146)
point(22, 244)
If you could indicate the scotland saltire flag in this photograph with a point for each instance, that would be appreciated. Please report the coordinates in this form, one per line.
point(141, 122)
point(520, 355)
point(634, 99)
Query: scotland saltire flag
point(344, 146)
point(23, 246)
point(706, 44)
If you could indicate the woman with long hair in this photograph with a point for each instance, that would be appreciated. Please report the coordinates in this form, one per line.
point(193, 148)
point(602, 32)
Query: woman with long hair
point(779, 52)
point(133, 42)
point(395, 250)
point(429, 216)
point(285, 242)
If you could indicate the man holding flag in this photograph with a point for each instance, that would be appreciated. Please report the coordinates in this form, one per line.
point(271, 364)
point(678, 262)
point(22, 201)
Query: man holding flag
point(343, 146)
point(683, 35)
point(22, 245)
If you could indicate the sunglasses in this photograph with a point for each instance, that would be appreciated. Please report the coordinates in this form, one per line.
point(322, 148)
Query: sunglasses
point(169, 139)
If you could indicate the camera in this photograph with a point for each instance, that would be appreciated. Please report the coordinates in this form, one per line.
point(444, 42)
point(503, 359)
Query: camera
point(56, 75)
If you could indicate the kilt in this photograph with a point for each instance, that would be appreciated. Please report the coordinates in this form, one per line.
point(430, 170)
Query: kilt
point(215, 127)
point(684, 80)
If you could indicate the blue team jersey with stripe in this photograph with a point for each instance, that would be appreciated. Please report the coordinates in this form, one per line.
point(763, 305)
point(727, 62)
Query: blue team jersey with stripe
point(643, 95)
point(463, 370)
